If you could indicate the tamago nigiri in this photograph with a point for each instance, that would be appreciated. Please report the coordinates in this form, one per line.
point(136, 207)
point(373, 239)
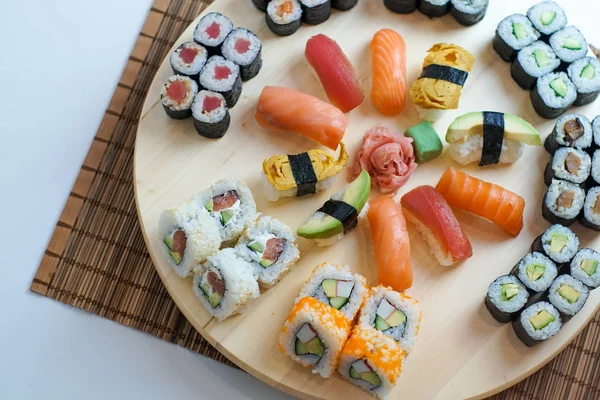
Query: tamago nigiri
point(388, 66)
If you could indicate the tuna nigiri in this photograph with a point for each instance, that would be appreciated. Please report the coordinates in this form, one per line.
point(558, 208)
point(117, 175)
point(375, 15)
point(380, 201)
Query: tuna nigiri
point(484, 199)
point(390, 243)
point(335, 72)
point(283, 109)
point(425, 208)
point(388, 65)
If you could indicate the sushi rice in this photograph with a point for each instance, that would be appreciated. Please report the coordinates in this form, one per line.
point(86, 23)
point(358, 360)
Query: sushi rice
point(471, 149)
point(538, 335)
point(566, 307)
point(586, 82)
point(555, 190)
point(506, 43)
point(591, 277)
point(189, 69)
point(186, 103)
point(595, 174)
point(546, 102)
point(596, 130)
point(591, 215)
point(558, 43)
point(559, 162)
point(568, 249)
point(285, 18)
point(200, 32)
point(540, 11)
point(500, 306)
point(560, 136)
point(525, 270)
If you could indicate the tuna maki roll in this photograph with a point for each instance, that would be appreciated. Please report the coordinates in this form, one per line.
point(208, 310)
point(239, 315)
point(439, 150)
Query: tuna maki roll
point(553, 94)
point(563, 202)
point(261, 4)
point(536, 272)
point(469, 12)
point(595, 174)
point(505, 298)
point(570, 130)
point(211, 32)
point(537, 323)
point(189, 59)
point(547, 17)
point(585, 75)
point(590, 218)
point(177, 96)
point(569, 45)
point(315, 12)
point(434, 8)
point(401, 6)
point(211, 115)
point(533, 62)
point(568, 295)
point(343, 5)
point(558, 243)
point(513, 34)
point(222, 76)
point(569, 164)
point(584, 267)
point(284, 17)
point(244, 48)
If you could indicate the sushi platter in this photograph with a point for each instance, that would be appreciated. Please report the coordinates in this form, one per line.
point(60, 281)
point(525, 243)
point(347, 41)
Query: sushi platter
point(224, 161)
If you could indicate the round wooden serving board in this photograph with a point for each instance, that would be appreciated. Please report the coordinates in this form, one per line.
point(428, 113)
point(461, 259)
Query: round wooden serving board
point(461, 351)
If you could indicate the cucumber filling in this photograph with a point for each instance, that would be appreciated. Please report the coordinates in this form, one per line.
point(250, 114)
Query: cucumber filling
point(212, 286)
point(519, 30)
point(362, 371)
point(588, 72)
point(571, 43)
point(559, 87)
point(266, 249)
point(176, 243)
point(387, 317)
point(308, 342)
point(337, 291)
point(541, 58)
point(547, 17)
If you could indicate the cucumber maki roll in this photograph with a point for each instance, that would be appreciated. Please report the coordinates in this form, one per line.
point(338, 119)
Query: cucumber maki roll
point(514, 33)
point(570, 130)
point(505, 298)
point(189, 59)
point(569, 45)
point(222, 76)
point(547, 17)
point(558, 243)
point(563, 202)
point(261, 4)
point(284, 17)
point(315, 12)
point(533, 62)
point(584, 267)
point(553, 94)
point(434, 8)
point(211, 115)
point(537, 323)
point(536, 272)
point(244, 48)
point(585, 75)
point(590, 217)
point(569, 164)
point(401, 6)
point(469, 12)
point(343, 5)
point(211, 31)
point(568, 295)
point(177, 96)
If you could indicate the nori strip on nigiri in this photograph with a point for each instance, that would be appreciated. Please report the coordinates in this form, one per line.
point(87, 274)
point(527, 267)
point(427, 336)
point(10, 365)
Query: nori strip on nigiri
point(343, 5)
point(493, 137)
point(304, 174)
point(341, 211)
point(445, 73)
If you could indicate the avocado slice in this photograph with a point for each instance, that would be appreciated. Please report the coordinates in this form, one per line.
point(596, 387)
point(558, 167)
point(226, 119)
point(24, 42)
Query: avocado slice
point(354, 374)
point(301, 348)
point(571, 43)
point(519, 30)
point(175, 256)
point(169, 242)
point(329, 287)
point(541, 320)
point(381, 324)
point(541, 58)
point(266, 263)
point(515, 128)
point(508, 291)
point(535, 271)
point(225, 217)
point(547, 17)
point(397, 318)
point(214, 299)
point(338, 302)
point(315, 347)
point(570, 294)
point(589, 266)
point(372, 378)
point(210, 205)
point(559, 86)
point(356, 195)
point(588, 72)
point(255, 246)
point(558, 242)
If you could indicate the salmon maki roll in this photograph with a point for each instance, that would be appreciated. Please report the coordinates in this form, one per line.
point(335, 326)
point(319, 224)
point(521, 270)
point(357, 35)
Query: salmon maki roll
point(388, 65)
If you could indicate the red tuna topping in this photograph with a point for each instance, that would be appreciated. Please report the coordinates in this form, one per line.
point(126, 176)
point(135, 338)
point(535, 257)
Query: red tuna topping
point(177, 91)
point(222, 72)
point(214, 30)
point(211, 103)
point(188, 54)
point(242, 45)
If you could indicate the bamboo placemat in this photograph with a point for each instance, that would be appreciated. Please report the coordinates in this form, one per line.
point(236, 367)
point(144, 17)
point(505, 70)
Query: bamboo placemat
point(96, 259)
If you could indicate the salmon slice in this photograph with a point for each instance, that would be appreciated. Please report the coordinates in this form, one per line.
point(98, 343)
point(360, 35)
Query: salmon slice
point(388, 66)
point(484, 199)
point(283, 109)
point(390, 243)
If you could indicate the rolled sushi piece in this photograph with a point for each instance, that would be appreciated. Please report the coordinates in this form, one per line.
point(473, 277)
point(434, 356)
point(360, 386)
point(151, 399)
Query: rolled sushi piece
point(570, 130)
point(231, 204)
point(533, 62)
point(211, 31)
point(315, 12)
point(537, 323)
point(222, 76)
point(505, 298)
point(337, 287)
point(536, 272)
point(547, 17)
point(595, 173)
point(434, 8)
point(585, 75)
point(401, 6)
point(584, 267)
point(558, 243)
point(302, 174)
point(225, 284)
point(270, 248)
point(343, 5)
point(244, 48)
point(313, 335)
point(469, 12)
point(284, 17)
point(569, 45)
point(211, 114)
point(394, 314)
point(568, 295)
point(188, 59)
point(563, 202)
point(569, 164)
point(261, 4)
point(188, 237)
point(371, 361)
point(590, 217)
point(490, 138)
point(514, 33)
point(177, 96)
point(553, 94)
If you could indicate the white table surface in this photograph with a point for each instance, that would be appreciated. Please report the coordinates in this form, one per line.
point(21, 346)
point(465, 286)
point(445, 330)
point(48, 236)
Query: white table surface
point(60, 63)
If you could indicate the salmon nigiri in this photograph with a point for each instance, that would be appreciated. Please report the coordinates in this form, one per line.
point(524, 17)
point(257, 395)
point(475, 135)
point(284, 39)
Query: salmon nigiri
point(484, 199)
point(390, 243)
point(388, 66)
point(427, 209)
point(283, 109)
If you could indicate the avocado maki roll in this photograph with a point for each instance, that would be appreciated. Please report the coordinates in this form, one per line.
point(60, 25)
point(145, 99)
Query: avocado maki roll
point(505, 298)
point(547, 17)
point(469, 12)
point(211, 31)
point(315, 12)
point(585, 75)
point(568, 295)
point(244, 48)
point(536, 272)
point(590, 217)
point(533, 62)
point(343, 5)
point(225, 284)
point(537, 323)
point(270, 247)
point(569, 45)
point(401, 6)
point(188, 59)
point(222, 76)
point(514, 33)
point(261, 4)
point(558, 243)
point(563, 202)
point(284, 17)
point(569, 164)
point(584, 267)
point(570, 130)
point(177, 96)
point(434, 8)
point(211, 115)
point(553, 94)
